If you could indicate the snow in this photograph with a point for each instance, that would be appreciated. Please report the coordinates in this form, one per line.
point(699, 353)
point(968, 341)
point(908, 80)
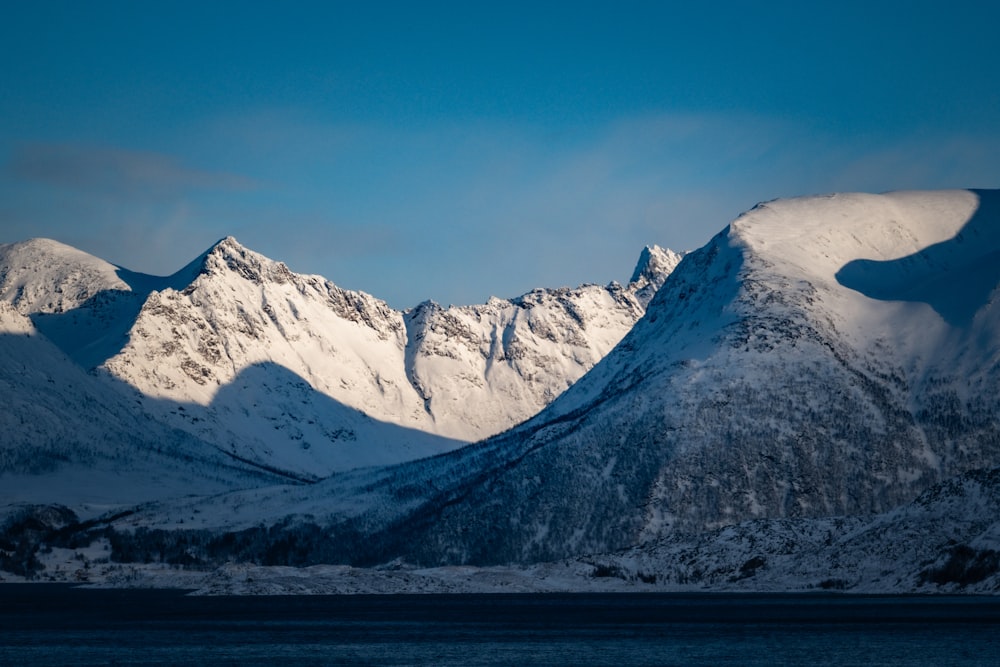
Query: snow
point(757, 386)
point(45, 276)
point(81, 303)
point(770, 422)
point(68, 438)
point(941, 543)
point(279, 372)
point(655, 264)
point(291, 373)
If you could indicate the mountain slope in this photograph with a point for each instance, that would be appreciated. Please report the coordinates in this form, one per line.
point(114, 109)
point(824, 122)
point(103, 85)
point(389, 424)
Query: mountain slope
point(287, 371)
point(81, 303)
point(946, 540)
point(482, 369)
point(761, 383)
point(67, 438)
point(758, 385)
point(45, 276)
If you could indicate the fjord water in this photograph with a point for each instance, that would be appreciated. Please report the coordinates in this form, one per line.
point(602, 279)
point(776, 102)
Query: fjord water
point(59, 625)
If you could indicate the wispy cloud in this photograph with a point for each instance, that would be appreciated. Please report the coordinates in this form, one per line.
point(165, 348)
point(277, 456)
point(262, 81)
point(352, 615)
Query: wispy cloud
point(461, 210)
point(479, 207)
point(146, 210)
point(944, 161)
point(111, 169)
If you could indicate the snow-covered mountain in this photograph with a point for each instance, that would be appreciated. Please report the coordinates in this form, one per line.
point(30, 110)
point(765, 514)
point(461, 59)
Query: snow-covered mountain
point(792, 389)
point(822, 356)
point(83, 304)
point(291, 373)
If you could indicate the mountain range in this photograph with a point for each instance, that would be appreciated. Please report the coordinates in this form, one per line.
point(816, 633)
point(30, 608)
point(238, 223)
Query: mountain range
point(822, 361)
point(291, 374)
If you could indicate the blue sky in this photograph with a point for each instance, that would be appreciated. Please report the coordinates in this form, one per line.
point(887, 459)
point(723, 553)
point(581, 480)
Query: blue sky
point(453, 151)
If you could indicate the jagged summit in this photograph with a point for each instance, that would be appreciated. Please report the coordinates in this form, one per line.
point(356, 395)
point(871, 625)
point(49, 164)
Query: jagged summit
point(655, 264)
point(229, 255)
point(228, 241)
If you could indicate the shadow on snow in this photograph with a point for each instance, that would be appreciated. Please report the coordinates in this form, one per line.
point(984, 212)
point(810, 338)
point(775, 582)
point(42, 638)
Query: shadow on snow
point(955, 277)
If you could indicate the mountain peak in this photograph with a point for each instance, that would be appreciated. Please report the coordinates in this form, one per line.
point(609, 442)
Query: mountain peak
point(228, 255)
point(42, 275)
point(655, 262)
point(226, 243)
point(43, 244)
point(654, 265)
point(49, 252)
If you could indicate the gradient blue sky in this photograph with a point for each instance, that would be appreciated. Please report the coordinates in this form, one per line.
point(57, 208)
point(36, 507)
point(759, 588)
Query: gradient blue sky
point(454, 151)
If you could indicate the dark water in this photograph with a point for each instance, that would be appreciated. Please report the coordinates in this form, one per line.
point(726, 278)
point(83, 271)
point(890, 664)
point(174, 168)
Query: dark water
point(59, 625)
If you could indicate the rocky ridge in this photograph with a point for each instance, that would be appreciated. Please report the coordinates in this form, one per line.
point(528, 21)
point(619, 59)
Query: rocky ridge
point(292, 373)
